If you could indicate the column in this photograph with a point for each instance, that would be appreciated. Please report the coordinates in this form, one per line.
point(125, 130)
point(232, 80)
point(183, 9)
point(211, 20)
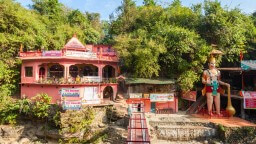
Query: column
point(66, 71)
point(46, 71)
point(100, 72)
point(242, 108)
point(36, 72)
point(116, 71)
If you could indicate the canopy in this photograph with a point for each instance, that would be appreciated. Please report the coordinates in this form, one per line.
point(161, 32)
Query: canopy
point(248, 64)
point(149, 81)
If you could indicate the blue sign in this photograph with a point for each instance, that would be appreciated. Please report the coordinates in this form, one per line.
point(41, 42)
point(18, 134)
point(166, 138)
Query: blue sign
point(70, 92)
point(72, 105)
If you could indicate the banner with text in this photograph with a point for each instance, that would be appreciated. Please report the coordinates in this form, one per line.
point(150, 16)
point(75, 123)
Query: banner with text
point(70, 98)
point(51, 53)
point(71, 105)
point(249, 99)
point(89, 55)
point(70, 92)
point(161, 97)
point(135, 95)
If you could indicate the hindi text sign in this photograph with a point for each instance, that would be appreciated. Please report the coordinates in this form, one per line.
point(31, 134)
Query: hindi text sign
point(135, 95)
point(161, 97)
point(89, 55)
point(249, 99)
point(70, 98)
point(51, 53)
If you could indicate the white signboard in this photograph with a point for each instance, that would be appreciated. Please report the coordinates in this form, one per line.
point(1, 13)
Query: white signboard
point(72, 104)
point(91, 96)
point(161, 97)
point(135, 95)
point(89, 55)
point(249, 99)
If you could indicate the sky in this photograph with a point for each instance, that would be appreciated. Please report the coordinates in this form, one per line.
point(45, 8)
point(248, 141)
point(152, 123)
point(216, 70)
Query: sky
point(106, 7)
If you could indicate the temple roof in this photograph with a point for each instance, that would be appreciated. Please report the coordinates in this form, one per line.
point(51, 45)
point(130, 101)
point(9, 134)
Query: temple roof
point(74, 44)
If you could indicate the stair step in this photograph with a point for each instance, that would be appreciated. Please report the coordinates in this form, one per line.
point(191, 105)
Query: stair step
point(184, 132)
point(179, 123)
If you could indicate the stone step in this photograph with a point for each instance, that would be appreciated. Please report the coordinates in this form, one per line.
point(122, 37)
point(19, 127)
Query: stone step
point(180, 123)
point(184, 133)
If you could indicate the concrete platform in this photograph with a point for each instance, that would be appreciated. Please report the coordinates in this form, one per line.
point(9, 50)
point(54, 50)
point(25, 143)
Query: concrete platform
point(228, 122)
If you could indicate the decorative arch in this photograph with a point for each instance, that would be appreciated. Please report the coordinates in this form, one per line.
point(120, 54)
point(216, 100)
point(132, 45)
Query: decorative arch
point(73, 71)
point(108, 71)
point(90, 70)
point(56, 70)
point(41, 72)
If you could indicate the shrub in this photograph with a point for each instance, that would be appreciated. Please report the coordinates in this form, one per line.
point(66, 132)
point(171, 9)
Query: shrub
point(10, 112)
point(41, 105)
point(76, 121)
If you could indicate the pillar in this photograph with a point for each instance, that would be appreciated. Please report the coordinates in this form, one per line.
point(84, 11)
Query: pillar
point(100, 68)
point(36, 72)
point(46, 71)
point(242, 109)
point(66, 70)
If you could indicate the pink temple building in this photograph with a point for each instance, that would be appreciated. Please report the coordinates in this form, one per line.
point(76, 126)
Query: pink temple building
point(90, 70)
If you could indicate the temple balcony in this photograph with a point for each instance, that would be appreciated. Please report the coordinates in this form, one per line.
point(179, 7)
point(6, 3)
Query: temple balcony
point(104, 56)
point(76, 81)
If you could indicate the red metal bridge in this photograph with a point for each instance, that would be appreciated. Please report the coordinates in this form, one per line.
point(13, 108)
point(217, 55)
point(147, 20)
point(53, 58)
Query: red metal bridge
point(137, 129)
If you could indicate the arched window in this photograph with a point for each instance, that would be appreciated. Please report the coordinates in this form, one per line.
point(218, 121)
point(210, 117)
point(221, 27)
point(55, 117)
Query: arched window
point(73, 71)
point(108, 71)
point(42, 72)
point(56, 71)
point(90, 70)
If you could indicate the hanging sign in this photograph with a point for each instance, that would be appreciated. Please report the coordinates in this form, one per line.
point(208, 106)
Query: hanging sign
point(190, 95)
point(51, 53)
point(89, 55)
point(161, 97)
point(70, 92)
point(249, 99)
point(135, 95)
point(248, 64)
point(70, 98)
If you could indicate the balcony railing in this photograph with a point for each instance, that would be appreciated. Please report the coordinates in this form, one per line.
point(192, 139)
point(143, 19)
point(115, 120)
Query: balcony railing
point(87, 55)
point(78, 80)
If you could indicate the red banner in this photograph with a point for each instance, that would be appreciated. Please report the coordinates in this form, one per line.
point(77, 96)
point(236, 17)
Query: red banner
point(249, 99)
point(190, 95)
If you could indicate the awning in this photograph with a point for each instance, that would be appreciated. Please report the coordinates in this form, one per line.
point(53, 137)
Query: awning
point(149, 81)
point(248, 64)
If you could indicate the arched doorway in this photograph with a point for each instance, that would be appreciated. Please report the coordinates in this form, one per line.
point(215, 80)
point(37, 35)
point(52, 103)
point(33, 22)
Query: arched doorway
point(108, 93)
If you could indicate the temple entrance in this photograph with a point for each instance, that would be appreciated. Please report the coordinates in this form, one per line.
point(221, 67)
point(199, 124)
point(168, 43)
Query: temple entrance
point(108, 93)
point(108, 71)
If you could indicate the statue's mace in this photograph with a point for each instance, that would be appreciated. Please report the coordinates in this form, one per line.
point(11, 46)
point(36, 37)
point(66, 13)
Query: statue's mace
point(230, 109)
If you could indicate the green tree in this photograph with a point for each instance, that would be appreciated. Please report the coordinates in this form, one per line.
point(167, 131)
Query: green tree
point(230, 30)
